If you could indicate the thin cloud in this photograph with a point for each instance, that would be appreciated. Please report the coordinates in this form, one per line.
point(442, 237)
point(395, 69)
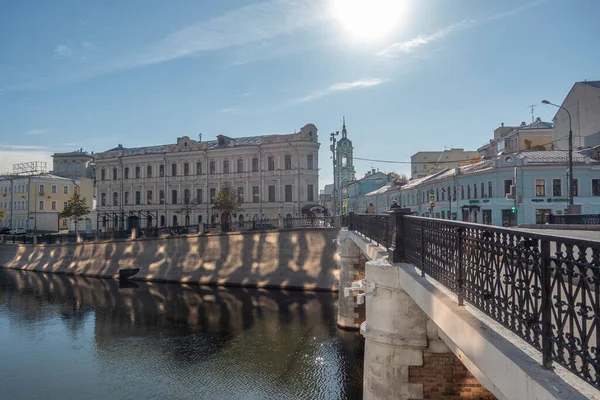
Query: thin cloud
point(8, 158)
point(244, 94)
point(37, 131)
point(341, 87)
point(228, 110)
point(396, 49)
point(62, 51)
point(10, 147)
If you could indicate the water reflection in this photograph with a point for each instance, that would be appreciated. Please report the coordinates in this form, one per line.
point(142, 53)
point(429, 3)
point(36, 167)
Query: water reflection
point(71, 337)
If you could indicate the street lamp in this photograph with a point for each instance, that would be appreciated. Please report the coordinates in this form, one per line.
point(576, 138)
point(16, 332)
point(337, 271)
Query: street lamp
point(571, 181)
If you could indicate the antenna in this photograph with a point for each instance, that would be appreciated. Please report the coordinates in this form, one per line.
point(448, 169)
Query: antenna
point(533, 106)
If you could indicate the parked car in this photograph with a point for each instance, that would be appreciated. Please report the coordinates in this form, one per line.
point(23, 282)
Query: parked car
point(17, 231)
point(4, 230)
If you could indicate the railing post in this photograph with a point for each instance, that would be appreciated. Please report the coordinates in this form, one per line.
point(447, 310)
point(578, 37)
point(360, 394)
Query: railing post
point(398, 252)
point(422, 248)
point(460, 270)
point(546, 276)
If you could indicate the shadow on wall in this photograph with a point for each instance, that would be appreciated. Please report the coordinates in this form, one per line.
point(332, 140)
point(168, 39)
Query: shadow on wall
point(299, 259)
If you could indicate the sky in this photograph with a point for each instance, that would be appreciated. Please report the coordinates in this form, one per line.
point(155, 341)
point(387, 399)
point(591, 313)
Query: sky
point(408, 75)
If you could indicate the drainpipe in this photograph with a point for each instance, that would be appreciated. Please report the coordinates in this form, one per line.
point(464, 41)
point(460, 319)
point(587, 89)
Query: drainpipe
point(207, 190)
point(260, 179)
point(11, 202)
point(166, 191)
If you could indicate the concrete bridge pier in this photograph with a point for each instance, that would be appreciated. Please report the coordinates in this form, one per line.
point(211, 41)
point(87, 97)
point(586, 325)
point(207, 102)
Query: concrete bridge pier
point(352, 269)
point(395, 336)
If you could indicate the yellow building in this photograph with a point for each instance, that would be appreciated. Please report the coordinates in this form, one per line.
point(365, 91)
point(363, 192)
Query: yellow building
point(34, 202)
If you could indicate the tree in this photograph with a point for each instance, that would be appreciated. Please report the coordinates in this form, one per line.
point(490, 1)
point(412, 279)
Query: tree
point(396, 176)
point(75, 209)
point(227, 202)
point(2, 214)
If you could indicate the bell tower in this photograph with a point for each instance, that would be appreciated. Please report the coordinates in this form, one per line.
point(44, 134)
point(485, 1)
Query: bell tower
point(344, 169)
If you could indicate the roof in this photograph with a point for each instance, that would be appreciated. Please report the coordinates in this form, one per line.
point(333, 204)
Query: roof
point(38, 176)
point(73, 154)
point(553, 157)
point(388, 187)
point(595, 84)
point(536, 125)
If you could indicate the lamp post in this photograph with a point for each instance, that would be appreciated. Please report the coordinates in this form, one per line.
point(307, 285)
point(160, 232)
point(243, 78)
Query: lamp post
point(571, 180)
point(332, 147)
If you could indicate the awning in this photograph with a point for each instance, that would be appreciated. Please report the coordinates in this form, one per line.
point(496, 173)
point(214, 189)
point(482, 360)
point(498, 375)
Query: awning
point(313, 208)
point(470, 207)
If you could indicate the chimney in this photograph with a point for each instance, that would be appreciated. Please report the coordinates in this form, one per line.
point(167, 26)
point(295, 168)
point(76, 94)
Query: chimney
point(502, 124)
point(523, 123)
point(538, 119)
point(372, 171)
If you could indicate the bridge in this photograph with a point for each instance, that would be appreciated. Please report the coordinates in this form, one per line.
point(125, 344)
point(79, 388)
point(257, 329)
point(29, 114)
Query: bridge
point(457, 310)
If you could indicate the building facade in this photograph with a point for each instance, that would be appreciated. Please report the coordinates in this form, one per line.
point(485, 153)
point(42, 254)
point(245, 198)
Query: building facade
point(176, 184)
point(74, 164)
point(425, 163)
point(34, 202)
point(354, 195)
point(583, 103)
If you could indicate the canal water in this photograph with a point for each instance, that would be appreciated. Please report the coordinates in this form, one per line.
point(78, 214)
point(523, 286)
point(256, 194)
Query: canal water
point(65, 337)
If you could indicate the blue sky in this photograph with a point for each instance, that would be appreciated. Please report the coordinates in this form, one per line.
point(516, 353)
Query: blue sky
point(94, 74)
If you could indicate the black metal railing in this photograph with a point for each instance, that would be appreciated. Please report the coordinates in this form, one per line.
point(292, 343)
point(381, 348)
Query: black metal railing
point(378, 228)
point(544, 288)
point(309, 222)
point(575, 219)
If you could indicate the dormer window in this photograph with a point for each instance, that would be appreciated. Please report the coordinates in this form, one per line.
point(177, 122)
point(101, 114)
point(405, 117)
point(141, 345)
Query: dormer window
point(221, 140)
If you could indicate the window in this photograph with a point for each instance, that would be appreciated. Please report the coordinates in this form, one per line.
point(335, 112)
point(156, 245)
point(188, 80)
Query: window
point(199, 196)
point(240, 165)
point(75, 189)
point(162, 220)
point(310, 193)
point(114, 174)
point(161, 171)
point(454, 193)
point(173, 169)
point(115, 199)
point(540, 187)
point(126, 172)
point(213, 194)
point(288, 162)
point(288, 193)
point(474, 190)
point(482, 190)
point(186, 169)
point(271, 194)
point(271, 164)
point(211, 167)
point(226, 166)
point(138, 197)
point(255, 165)
point(102, 174)
point(149, 171)
point(53, 206)
point(65, 189)
point(240, 194)
point(198, 168)
point(161, 196)
point(65, 205)
point(443, 194)
point(126, 198)
point(42, 189)
point(462, 192)
point(186, 196)
point(103, 199)
point(507, 185)
point(53, 188)
point(557, 187)
point(309, 162)
point(41, 205)
point(490, 193)
point(64, 223)
point(595, 187)
point(468, 191)
point(173, 196)
point(575, 187)
point(149, 197)
point(541, 216)
point(255, 194)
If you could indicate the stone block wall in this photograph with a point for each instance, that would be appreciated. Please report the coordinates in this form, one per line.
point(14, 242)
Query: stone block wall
point(296, 258)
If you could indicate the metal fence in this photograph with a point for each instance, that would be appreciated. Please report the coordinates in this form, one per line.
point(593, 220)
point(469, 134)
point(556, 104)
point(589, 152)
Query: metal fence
point(376, 227)
point(575, 219)
point(544, 288)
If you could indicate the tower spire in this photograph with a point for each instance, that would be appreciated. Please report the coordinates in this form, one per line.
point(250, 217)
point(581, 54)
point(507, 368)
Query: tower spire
point(344, 133)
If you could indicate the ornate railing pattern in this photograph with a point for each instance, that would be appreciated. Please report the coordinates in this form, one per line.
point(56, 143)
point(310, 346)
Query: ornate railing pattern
point(575, 219)
point(309, 222)
point(376, 227)
point(545, 289)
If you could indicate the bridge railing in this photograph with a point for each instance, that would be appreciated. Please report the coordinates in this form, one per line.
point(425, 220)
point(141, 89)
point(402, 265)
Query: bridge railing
point(378, 228)
point(576, 219)
point(544, 288)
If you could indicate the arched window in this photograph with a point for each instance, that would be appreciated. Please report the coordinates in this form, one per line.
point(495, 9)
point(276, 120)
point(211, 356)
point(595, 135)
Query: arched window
point(255, 218)
point(288, 216)
point(187, 220)
point(162, 220)
point(199, 219)
point(344, 160)
point(241, 219)
point(149, 221)
point(174, 220)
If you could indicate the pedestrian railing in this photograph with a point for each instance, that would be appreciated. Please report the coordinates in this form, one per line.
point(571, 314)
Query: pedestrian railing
point(575, 219)
point(544, 288)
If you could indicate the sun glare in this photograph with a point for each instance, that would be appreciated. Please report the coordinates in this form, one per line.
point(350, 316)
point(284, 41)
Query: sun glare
point(369, 20)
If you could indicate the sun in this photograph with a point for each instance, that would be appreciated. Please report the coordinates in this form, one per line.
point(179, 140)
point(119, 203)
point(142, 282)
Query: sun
point(369, 20)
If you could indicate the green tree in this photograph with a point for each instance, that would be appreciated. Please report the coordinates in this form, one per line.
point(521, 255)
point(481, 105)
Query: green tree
point(75, 209)
point(227, 202)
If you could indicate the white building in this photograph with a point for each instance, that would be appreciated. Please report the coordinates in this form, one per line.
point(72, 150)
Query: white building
point(274, 175)
point(426, 163)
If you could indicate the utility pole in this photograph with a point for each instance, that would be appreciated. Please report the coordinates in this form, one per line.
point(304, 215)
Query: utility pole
point(333, 148)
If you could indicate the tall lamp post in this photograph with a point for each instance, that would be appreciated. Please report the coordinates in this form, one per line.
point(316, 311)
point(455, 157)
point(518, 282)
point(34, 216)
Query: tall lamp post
point(332, 147)
point(571, 180)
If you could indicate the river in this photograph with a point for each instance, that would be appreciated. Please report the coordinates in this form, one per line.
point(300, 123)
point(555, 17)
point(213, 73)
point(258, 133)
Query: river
point(65, 337)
